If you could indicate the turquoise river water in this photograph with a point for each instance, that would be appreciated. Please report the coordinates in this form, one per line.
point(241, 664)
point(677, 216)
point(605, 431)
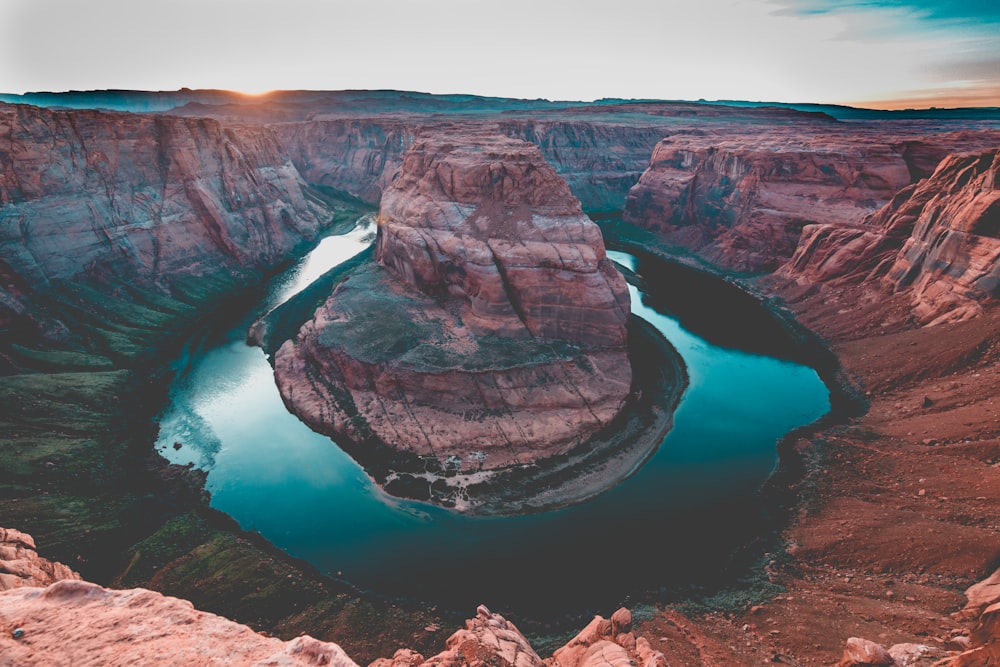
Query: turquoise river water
point(672, 525)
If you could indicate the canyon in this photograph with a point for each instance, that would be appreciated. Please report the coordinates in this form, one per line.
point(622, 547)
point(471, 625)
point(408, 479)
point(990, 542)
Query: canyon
point(119, 231)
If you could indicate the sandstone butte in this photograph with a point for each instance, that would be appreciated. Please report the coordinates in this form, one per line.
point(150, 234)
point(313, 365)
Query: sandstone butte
point(491, 331)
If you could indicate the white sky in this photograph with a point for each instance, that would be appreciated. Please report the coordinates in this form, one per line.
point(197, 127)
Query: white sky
point(665, 49)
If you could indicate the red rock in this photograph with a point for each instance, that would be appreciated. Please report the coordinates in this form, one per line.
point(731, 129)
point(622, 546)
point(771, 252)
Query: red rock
point(951, 260)
point(495, 333)
point(621, 621)
point(741, 200)
point(603, 642)
point(404, 657)
point(488, 639)
point(864, 653)
point(486, 220)
point(910, 655)
point(20, 564)
point(982, 595)
point(937, 241)
point(145, 196)
point(82, 624)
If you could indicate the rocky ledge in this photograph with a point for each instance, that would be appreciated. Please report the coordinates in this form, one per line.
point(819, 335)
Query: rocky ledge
point(21, 566)
point(489, 334)
point(73, 622)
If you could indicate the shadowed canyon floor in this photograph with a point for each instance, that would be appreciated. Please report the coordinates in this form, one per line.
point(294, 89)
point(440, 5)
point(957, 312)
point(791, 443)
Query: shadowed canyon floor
point(119, 232)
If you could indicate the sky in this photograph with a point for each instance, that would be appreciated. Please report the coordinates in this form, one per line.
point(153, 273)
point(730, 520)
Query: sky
point(873, 53)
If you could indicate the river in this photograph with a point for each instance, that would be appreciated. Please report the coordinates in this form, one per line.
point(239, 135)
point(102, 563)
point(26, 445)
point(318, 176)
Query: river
point(671, 526)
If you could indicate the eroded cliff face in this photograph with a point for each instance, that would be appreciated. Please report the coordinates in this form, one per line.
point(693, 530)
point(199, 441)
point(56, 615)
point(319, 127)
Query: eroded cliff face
point(600, 161)
point(742, 201)
point(355, 156)
point(492, 331)
point(491, 224)
point(360, 156)
point(148, 196)
point(937, 240)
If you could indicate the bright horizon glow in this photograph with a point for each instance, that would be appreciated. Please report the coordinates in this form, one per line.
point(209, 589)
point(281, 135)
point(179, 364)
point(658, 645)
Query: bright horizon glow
point(873, 53)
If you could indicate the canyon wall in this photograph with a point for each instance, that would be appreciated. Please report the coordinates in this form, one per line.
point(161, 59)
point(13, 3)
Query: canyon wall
point(601, 161)
point(361, 156)
point(741, 200)
point(151, 195)
point(937, 240)
point(354, 156)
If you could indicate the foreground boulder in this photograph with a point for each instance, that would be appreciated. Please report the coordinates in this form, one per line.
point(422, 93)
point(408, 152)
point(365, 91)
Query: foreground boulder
point(491, 331)
point(608, 642)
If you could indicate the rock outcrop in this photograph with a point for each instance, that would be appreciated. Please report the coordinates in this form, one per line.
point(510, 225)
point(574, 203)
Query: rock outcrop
point(490, 639)
point(977, 647)
point(20, 564)
point(492, 331)
point(74, 622)
point(490, 224)
point(608, 642)
point(937, 240)
point(82, 624)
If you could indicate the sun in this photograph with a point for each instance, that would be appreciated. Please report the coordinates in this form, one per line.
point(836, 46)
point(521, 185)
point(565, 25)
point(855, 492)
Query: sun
point(251, 92)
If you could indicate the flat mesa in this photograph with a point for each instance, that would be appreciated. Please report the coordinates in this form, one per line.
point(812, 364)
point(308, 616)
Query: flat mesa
point(490, 332)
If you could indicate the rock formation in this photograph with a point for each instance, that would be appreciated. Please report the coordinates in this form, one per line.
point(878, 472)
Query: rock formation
point(20, 564)
point(608, 642)
point(741, 200)
point(937, 240)
point(150, 196)
point(492, 331)
point(83, 624)
point(80, 623)
point(977, 647)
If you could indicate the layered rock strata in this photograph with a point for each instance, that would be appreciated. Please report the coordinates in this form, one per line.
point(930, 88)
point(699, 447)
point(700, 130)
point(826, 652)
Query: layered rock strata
point(937, 240)
point(147, 196)
point(741, 200)
point(491, 333)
